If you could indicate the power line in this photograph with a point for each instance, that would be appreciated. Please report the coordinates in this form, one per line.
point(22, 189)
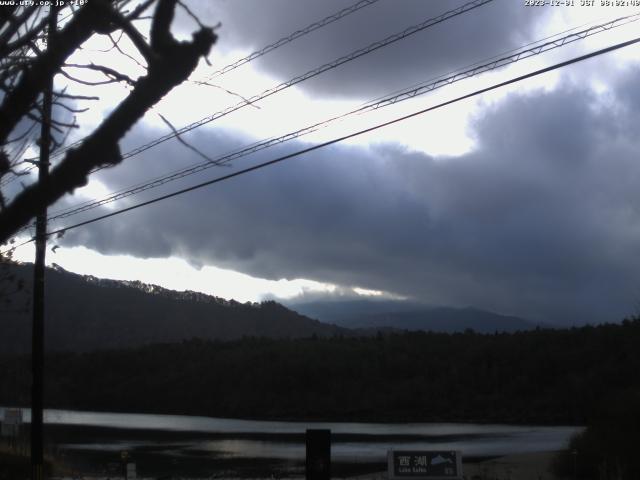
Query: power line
point(284, 85)
point(352, 135)
point(9, 179)
point(599, 24)
point(198, 167)
point(421, 89)
point(541, 71)
point(301, 78)
point(31, 135)
point(290, 38)
point(252, 56)
point(316, 71)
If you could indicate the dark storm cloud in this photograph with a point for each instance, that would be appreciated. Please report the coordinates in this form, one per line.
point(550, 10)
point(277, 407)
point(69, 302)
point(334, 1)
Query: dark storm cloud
point(541, 220)
point(485, 31)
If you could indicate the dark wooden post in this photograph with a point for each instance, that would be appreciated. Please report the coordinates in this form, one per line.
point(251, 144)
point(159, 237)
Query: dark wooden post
point(37, 334)
point(318, 458)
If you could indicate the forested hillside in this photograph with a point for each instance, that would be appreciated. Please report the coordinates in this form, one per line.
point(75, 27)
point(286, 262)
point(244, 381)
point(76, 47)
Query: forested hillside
point(542, 376)
point(86, 313)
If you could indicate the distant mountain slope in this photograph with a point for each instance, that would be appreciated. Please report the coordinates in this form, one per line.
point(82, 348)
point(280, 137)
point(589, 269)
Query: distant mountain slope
point(86, 313)
point(398, 314)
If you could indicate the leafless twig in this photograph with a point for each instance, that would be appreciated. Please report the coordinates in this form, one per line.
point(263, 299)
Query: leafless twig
point(182, 141)
point(245, 99)
point(190, 13)
point(70, 109)
point(76, 97)
point(87, 82)
point(122, 52)
point(109, 72)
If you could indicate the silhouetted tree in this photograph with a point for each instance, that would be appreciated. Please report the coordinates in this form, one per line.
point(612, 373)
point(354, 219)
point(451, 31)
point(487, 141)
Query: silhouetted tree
point(27, 64)
point(606, 450)
point(10, 287)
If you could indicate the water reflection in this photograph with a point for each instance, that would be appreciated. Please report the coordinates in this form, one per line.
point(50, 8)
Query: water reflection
point(364, 442)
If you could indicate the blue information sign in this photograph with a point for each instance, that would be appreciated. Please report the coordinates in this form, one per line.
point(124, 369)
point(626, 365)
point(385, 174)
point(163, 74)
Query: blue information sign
point(431, 465)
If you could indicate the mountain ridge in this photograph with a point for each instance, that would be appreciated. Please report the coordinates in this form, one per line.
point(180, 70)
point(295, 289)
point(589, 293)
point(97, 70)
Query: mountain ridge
point(87, 313)
point(408, 315)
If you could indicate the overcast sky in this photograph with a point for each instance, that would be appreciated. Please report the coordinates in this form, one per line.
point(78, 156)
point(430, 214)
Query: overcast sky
point(524, 201)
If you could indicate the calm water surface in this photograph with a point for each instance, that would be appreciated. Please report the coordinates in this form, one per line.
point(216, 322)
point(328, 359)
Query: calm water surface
point(471, 439)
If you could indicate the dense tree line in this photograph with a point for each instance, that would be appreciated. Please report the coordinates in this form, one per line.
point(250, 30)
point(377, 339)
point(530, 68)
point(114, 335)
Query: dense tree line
point(607, 449)
point(541, 376)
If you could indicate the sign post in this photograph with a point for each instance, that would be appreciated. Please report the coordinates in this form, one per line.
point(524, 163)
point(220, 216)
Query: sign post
point(12, 427)
point(12, 422)
point(426, 465)
point(124, 460)
point(131, 471)
point(318, 462)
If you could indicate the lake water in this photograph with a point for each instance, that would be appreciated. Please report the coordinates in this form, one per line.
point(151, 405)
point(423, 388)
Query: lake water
point(250, 439)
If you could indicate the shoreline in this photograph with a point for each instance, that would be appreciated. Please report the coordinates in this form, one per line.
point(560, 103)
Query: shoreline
point(376, 419)
point(520, 466)
point(95, 450)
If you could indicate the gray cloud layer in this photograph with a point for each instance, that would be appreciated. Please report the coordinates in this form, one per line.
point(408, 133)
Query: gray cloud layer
point(477, 34)
point(541, 220)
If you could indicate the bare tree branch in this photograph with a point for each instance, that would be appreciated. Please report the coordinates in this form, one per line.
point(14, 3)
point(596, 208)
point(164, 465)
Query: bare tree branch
point(75, 97)
point(161, 38)
point(59, 144)
point(70, 109)
point(14, 26)
point(171, 64)
point(86, 82)
point(245, 99)
point(140, 9)
point(135, 36)
point(18, 102)
point(109, 72)
point(31, 34)
point(6, 15)
point(117, 47)
point(184, 142)
point(190, 13)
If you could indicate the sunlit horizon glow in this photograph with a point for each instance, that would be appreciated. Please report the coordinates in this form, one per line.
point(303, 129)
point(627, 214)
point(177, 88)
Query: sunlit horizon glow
point(219, 282)
point(444, 136)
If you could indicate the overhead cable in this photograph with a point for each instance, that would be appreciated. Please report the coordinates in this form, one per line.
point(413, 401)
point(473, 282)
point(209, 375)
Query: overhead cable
point(398, 97)
point(252, 56)
point(535, 73)
point(290, 38)
point(305, 76)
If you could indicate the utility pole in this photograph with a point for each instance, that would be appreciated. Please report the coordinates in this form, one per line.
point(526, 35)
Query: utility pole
point(37, 334)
